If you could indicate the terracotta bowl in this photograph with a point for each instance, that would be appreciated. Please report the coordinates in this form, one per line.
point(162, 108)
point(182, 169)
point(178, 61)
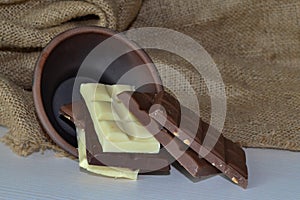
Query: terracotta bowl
point(58, 65)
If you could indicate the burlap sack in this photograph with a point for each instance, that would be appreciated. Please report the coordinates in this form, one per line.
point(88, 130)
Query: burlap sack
point(255, 44)
point(26, 26)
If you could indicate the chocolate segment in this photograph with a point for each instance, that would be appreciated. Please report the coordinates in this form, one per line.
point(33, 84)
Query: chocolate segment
point(187, 158)
point(225, 155)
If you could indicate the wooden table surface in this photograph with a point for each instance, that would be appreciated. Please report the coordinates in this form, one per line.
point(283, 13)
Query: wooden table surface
point(273, 174)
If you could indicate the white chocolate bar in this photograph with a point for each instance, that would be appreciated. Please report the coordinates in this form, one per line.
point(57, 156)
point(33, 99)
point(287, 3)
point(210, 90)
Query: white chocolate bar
point(111, 127)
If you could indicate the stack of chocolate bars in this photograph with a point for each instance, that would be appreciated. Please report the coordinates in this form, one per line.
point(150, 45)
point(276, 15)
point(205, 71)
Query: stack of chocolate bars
point(123, 133)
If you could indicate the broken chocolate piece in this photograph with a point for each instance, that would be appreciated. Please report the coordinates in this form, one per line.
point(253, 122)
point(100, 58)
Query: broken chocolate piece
point(225, 155)
point(139, 106)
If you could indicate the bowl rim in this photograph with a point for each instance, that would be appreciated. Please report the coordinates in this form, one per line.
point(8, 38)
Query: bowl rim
point(39, 66)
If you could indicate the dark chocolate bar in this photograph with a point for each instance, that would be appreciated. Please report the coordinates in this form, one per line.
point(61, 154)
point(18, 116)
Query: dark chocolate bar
point(225, 155)
point(187, 158)
point(149, 164)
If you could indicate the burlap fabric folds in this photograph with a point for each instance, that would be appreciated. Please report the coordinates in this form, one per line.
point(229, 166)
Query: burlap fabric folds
point(255, 45)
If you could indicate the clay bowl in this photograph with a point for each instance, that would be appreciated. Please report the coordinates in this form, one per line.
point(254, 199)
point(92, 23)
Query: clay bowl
point(59, 63)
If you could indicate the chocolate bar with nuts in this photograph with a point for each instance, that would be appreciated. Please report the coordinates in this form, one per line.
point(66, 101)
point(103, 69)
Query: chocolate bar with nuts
point(186, 157)
point(221, 152)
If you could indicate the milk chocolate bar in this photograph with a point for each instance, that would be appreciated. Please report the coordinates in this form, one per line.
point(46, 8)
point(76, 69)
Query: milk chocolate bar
point(225, 155)
point(187, 158)
point(157, 164)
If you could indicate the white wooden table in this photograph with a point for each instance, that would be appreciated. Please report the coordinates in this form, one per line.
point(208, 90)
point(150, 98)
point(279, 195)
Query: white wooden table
point(273, 175)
